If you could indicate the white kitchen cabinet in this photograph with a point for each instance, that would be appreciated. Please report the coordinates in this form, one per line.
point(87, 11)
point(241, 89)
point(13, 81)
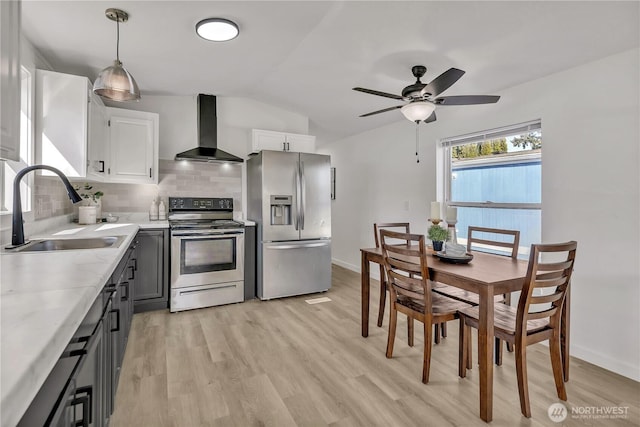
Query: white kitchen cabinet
point(281, 141)
point(69, 119)
point(10, 80)
point(133, 146)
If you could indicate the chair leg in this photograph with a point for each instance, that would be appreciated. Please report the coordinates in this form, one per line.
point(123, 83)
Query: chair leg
point(393, 320)
point(523, 386)
point(410, 331)
point(436, 333)
point(383, 296)
point(426, 358)
point(443, 329)
point(498, 351)
point(469, 346)
point(556, 364)
point(463, 348)
point(507, 300)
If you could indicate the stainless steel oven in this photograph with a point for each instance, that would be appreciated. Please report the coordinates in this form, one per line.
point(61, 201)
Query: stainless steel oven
point(207, 253)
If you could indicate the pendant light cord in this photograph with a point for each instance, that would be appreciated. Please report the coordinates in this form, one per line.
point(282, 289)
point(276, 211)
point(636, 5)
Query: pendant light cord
point(118, 37)
point(417, 139)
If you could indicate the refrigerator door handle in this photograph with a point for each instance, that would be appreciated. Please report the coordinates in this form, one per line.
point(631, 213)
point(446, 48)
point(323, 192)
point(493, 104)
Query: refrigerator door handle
point(297, 246)
point(297, 215)
point(303, 191)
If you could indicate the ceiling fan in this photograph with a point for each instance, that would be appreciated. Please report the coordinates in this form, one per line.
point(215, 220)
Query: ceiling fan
point(422, 98)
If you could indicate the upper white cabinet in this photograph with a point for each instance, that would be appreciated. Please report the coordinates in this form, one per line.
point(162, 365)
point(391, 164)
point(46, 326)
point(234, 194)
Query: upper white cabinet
point(133, 146)
point(281, 141)
point(69, 117)
point(10, 80)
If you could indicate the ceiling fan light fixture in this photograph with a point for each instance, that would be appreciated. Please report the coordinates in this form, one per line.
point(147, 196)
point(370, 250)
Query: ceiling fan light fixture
point(115, 82)
point(418, 111)
point(217, 29)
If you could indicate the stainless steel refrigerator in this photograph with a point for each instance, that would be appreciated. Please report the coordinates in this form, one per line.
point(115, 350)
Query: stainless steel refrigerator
point(289, 197)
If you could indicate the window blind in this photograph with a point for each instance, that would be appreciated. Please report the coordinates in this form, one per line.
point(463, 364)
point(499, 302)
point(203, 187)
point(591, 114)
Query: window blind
point(490, 134)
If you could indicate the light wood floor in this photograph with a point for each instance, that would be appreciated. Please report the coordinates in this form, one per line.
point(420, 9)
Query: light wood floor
point(288, 363)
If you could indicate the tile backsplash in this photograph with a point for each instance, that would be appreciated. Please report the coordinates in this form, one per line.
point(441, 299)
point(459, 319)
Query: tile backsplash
point(177, 178)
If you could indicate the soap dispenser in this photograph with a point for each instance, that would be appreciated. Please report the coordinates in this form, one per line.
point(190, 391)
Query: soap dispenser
point(153, 211)
point(162, 211)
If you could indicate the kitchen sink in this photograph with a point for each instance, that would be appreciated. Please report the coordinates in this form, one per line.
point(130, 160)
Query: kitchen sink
point(71, 244)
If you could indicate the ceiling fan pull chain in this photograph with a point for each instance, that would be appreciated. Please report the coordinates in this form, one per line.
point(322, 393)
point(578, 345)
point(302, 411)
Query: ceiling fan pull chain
point(417, 139)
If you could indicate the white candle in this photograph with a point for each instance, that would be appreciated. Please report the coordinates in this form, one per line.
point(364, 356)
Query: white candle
point(435, 210)
point(452, 214)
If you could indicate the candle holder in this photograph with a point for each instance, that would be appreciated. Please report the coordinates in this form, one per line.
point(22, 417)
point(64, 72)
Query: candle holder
point(435, 221)
point(451, 224)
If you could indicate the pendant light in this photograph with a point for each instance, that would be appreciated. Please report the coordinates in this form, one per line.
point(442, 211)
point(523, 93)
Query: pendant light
point(115, 82)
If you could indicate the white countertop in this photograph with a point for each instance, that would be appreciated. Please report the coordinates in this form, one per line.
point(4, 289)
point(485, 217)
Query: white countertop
point(44, 297)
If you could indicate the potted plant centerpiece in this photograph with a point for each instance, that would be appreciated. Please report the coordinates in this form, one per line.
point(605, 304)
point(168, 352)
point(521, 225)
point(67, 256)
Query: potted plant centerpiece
point(91, 198)
point(438, 235)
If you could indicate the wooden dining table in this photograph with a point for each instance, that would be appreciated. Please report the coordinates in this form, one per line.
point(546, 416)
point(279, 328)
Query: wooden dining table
point(486, 275)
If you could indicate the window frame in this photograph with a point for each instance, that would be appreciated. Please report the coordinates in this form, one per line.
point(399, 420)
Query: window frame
point(447, 143)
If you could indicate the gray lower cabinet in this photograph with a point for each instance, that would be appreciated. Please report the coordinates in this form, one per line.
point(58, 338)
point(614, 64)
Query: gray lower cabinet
point(250, 250)
point(151, 289)
point(80, 389)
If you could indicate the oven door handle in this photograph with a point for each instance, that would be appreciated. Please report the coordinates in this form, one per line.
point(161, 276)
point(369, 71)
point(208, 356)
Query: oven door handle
point(207, 234)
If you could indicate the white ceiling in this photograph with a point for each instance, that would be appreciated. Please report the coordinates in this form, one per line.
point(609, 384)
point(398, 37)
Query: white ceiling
point(305, 56)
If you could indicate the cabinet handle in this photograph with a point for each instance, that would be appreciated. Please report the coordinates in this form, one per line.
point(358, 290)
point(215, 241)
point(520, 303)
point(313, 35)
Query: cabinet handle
point(149, 172)
point(125, 286)
point(135, 263)
point(88, 390)
point(117, 312)
point(101, 165)
point(133, 274)
point(84, 401)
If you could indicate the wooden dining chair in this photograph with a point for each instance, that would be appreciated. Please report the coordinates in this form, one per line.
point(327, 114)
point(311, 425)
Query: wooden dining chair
point(493, 240)
point(410, 290)
point(548, 277)
point(377, 227)
point(442, 330)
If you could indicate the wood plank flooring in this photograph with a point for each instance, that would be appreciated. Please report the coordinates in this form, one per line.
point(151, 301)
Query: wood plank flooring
point(287, 363)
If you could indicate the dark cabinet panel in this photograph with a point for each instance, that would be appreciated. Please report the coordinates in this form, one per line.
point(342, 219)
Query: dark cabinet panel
point(151, 286)
point(250, 262)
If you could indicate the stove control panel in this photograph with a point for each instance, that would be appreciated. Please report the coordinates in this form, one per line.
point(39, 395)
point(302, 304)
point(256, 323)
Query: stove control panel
point(200, 204)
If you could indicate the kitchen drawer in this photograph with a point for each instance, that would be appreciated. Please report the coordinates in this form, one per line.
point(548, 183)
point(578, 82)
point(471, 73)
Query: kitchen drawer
point(206, 295)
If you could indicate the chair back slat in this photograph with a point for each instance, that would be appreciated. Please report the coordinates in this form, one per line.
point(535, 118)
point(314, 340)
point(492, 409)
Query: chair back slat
point(475, 236)
point(542, 277)
point(386, 225)
point(542, 314)
point(403, 262)
point(546, 299)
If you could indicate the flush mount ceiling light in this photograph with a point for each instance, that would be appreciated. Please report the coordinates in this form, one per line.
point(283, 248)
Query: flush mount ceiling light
point(217, 29)
point(418, 111)
point(115, 82)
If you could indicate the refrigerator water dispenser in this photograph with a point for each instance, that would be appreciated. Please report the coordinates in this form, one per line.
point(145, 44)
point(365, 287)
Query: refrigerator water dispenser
point(281, 210)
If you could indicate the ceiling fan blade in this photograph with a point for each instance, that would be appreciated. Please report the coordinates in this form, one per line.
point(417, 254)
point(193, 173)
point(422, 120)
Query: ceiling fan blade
point(467, 100)
point(431, 118)
point(442, 82)
point(376, 92)
point(382, 111)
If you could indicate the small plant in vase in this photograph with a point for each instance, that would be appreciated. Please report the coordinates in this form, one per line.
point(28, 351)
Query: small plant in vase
point(438, 235)
point(91, 198)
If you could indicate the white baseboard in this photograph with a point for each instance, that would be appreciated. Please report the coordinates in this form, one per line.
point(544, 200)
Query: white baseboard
point(604, 361)
point(346, 265)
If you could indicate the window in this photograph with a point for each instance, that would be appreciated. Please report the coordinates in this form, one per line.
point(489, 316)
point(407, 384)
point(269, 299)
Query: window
point(9, 169)
point(494, 179)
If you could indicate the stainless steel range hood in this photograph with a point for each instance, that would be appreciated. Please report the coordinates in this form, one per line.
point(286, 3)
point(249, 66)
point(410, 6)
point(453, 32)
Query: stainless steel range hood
point(207, 149)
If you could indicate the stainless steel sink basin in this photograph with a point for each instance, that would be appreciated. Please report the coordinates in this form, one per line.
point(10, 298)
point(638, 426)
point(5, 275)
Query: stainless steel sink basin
point(70, 244)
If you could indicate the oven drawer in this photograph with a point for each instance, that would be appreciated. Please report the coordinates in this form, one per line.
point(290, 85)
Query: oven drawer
point(206, 295)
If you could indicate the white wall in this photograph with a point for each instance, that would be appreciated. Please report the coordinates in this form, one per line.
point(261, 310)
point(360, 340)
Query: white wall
point(590, 167)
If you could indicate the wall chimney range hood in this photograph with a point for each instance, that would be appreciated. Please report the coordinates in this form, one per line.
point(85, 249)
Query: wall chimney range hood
point(207, 149)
